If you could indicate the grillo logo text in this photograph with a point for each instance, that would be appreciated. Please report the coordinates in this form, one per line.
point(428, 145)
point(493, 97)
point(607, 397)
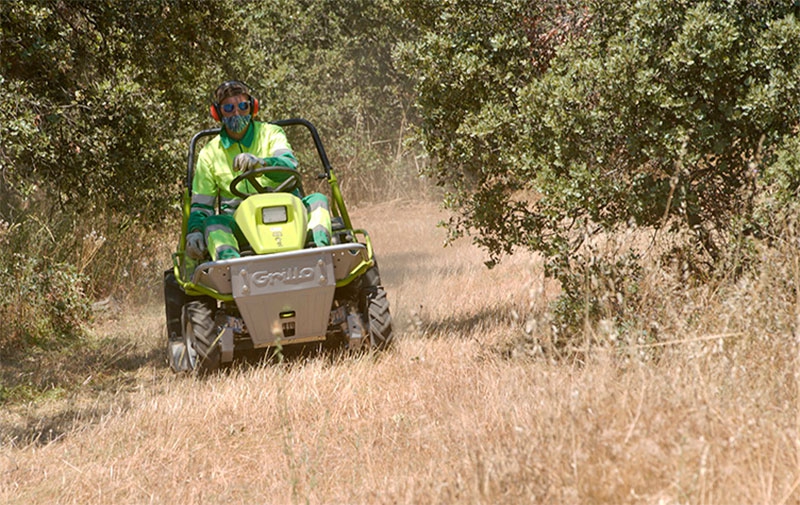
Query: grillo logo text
point(290, 275)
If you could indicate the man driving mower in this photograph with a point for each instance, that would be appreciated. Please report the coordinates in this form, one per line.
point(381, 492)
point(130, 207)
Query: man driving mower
point(243, 144)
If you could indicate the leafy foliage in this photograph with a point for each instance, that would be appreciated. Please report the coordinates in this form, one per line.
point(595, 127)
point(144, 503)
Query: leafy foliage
point(664, 118)
point(94, 98)
point(470, 63)
point(649, 113)
point(43, 296)
point(98, 100)
point(331, 61)
point(92, 93)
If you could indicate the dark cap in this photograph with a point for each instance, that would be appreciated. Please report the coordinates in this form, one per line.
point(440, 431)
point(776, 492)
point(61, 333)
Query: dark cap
point(230, 88)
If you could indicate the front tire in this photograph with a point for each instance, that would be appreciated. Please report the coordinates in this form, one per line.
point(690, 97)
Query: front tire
point(379, 319)
point(174, 299)
point(199, 331)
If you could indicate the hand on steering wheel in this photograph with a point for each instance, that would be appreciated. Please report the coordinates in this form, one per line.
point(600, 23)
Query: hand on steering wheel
point(292, 181)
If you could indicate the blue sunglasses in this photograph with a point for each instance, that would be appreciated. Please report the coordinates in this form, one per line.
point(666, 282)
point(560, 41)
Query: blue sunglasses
point(228, 107)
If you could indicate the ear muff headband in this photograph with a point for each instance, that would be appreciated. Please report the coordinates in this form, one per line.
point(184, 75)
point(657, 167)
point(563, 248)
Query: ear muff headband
point(215, 111)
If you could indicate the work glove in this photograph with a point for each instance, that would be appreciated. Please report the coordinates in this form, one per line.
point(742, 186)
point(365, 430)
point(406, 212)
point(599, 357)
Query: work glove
point(321, 238)
point(195, 245)
point(245, 162)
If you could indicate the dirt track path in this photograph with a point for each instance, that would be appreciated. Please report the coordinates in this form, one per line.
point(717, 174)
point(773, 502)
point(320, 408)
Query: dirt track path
point(436, 286)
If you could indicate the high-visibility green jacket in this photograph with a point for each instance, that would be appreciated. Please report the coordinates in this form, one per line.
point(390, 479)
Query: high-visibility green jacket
point(214, 171)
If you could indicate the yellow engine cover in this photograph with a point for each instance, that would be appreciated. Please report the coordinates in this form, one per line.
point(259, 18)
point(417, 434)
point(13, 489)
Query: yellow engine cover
point(285, 227)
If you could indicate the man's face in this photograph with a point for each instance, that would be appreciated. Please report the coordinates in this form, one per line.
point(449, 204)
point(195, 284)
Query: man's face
point(237, 105)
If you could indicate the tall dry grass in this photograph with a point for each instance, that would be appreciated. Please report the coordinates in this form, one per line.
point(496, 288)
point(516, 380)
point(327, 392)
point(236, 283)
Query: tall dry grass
point(473, 405)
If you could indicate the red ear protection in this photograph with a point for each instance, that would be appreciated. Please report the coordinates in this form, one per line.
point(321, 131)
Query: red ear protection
point(215, 113)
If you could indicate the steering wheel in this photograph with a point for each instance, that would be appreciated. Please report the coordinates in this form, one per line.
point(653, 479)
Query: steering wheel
point(291, 183)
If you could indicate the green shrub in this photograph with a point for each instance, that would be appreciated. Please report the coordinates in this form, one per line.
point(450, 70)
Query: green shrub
point(43, 303)
point(596, 287)
point(661, 115)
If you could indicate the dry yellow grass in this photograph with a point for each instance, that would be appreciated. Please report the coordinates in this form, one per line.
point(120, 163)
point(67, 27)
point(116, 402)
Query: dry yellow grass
point(459, 411)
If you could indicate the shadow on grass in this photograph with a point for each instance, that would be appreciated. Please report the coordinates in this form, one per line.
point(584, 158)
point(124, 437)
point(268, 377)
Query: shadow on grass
point(331, 353)
point(41, 389)
point(513, 337)
point(38, 430)
point(466, 325)
point(399, 267)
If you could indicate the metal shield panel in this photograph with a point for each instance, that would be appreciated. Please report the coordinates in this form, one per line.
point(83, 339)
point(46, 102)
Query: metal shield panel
point(285, 296)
